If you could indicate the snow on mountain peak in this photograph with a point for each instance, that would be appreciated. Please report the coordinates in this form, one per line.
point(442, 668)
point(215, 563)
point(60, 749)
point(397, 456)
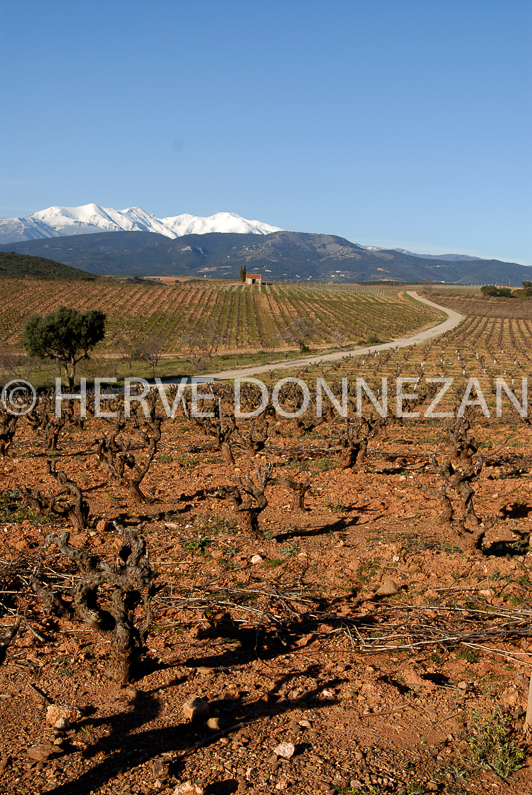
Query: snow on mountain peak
point(186, 224)
point(58, 221)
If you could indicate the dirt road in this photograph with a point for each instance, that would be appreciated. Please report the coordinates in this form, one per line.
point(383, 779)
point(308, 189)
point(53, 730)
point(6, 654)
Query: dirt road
point(453, 319)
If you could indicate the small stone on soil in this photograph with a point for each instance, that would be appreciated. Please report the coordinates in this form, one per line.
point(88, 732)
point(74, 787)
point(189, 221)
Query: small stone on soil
point(62, 712)
point(42, 752)
point(196, 709)
point(160, 769)
point(286, 750)
point(188, 788)
point(388, 588)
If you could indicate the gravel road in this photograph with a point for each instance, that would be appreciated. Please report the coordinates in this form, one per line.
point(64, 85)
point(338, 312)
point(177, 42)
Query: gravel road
point(453, 319)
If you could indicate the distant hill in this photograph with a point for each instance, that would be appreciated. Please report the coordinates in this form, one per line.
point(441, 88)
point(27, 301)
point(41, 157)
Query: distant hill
point(448, 257)
point(21, 266)
point(290, 256)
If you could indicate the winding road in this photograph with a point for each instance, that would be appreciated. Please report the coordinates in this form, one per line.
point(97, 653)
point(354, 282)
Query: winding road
point(453, 319)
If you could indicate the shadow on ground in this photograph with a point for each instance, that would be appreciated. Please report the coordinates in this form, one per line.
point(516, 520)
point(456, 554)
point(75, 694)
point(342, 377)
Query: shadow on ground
point(126, 744)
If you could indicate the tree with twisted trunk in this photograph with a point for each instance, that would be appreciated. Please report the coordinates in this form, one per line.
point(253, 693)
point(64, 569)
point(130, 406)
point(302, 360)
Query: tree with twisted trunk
point(249, 499)
point(107, 596)
point(117, 459)
point(298, 488)
point(76, 509)
point(460, 468)
point(8, 426)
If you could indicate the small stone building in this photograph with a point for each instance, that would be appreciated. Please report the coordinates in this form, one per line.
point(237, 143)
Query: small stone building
point(253, 278)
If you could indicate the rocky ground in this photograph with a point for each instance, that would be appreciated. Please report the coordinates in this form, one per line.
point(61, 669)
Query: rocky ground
point(356, 647)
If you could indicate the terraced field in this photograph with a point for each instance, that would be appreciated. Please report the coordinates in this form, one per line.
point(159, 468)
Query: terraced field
point(243, 318)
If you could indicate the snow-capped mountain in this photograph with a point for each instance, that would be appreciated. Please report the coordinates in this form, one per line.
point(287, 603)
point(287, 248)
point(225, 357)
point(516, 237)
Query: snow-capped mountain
point(65, 221)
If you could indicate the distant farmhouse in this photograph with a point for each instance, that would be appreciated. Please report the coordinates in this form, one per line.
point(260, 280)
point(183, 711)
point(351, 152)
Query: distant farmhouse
point(253, 278)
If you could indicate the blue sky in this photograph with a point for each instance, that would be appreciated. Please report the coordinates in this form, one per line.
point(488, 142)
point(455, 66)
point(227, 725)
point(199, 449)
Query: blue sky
point(388, 122)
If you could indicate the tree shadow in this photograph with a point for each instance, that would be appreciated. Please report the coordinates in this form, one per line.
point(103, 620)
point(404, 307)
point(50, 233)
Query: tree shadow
point(264, 643)
point(222, 787)
point(516, 510)
point(515, 548)
point(126, 747)
point(333, 527)
point(267, 643)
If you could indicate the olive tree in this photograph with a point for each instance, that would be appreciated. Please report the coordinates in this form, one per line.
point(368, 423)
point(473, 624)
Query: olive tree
point(66, 335)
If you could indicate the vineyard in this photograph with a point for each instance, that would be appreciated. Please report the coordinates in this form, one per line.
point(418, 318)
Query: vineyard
point(487, 345)
point(240, 318)
point(209, 605)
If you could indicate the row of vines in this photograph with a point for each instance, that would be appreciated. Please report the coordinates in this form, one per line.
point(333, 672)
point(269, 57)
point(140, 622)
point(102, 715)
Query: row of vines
point(242, 319)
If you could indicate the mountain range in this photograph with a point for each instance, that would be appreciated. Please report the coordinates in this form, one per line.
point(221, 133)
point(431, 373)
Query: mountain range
point(133, 242)
point(93, 219)
point(279, 256)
